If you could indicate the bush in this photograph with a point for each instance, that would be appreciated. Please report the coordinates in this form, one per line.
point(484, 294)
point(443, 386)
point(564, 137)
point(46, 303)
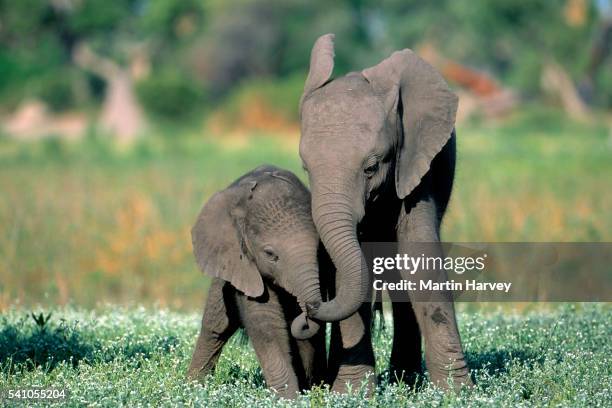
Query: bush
point(55, 89)
point(170, 96)
point(262, 104)
point(28, 346)
point(21, 79)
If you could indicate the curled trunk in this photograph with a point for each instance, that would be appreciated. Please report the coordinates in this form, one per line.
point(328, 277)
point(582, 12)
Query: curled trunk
point(305, 287)
point(336, 222)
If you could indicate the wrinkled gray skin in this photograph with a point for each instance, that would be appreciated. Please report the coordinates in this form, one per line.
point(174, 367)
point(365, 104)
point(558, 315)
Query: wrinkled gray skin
point(379, 149)
point(257, 240)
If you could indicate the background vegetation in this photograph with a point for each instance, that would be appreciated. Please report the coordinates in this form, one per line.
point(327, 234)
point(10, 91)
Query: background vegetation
point(88, 223)
point(189, 56)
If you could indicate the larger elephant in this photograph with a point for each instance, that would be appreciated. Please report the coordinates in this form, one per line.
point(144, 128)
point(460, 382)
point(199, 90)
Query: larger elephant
point(379, 149)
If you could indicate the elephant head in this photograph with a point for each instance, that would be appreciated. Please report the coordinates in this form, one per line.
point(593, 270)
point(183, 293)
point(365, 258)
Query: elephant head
point(364, 133)
point(259, 228)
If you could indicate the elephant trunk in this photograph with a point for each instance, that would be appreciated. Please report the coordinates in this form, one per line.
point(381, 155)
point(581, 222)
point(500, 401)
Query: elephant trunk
point(336, 221)
point(306, 288)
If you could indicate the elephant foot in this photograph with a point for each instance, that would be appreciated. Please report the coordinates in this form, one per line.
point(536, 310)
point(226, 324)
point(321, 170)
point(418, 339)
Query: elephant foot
point(285, 389)
point(353, 377)
point(192, 375)
point(444, 356)
point(452, 376)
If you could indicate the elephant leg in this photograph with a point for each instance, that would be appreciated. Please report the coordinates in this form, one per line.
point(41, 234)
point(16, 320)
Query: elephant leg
point(276, 365)
point(314, 358)
point(417, 236)
point(218, 325)
point(351, 353)
point(405, 363)
point(443, 352)
point(267, 327)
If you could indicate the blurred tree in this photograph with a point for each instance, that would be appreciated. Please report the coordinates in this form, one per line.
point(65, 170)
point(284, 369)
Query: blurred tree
point(118, 41)
point(30, 50)
point(177, 51)
point(273, 38)
point(169, 96)
point(509, 38)
point(121, 113)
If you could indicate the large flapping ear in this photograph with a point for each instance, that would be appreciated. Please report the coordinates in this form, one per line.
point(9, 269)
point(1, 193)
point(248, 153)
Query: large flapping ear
point(321, 64)
point(428, 108)
point(219, 244)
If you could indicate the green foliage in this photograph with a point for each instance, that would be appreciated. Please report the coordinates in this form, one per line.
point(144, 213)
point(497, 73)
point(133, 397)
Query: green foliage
point(38, 41)
point(55, 89)
point(11, 71)
point(23, 20)
point(170, 95)
point(41, 320)
point(164, 18)
point(231, 44)
point(48, 343)
point(279, 97)
point(604, 81)
point(45, 344)
point(510, 39)
point(42, 75)
point(559, 357)
point(99, 16)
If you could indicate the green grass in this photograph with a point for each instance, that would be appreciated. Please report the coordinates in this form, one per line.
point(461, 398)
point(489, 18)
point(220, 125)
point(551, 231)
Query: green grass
point(136, 356)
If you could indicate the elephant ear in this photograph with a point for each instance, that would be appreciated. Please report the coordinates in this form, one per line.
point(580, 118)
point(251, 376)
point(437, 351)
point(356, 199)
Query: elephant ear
point(416, 91)
point(219, 243)
point(321, 64)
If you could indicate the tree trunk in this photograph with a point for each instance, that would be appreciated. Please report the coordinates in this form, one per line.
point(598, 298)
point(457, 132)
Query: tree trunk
point(121, 113)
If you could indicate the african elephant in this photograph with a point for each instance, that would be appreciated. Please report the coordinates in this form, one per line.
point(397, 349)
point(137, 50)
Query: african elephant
point(379, 149)
point(257, 240)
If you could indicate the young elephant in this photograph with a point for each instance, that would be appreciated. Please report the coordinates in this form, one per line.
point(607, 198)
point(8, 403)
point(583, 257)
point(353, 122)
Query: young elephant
point(257, 240)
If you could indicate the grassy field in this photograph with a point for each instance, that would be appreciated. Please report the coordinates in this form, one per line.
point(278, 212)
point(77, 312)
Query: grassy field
point(135, 357)
point(86, 222)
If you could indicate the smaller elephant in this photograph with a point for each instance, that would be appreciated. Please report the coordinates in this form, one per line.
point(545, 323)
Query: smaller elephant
point(258, 241)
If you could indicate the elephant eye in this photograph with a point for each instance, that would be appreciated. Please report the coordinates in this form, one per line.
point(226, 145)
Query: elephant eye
point(269, 252)
point(370, 170)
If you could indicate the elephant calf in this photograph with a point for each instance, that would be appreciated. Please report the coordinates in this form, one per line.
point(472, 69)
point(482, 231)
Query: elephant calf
point(258, 241)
